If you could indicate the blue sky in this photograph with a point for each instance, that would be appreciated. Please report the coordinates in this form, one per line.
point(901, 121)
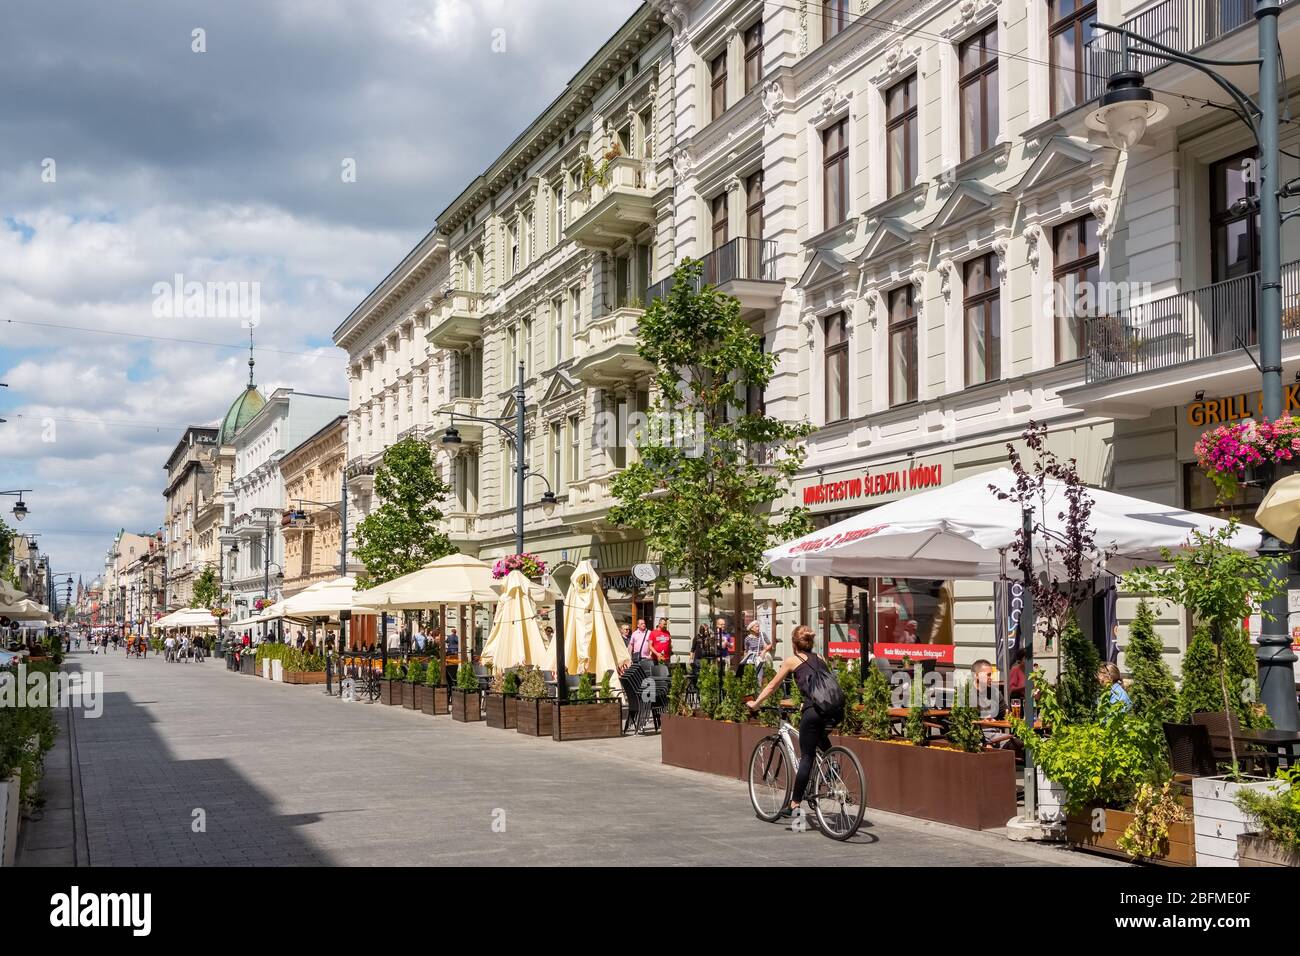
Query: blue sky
point(128, 157)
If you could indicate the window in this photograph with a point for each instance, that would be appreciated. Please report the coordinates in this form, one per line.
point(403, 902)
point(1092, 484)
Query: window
point(557, 454)
point(625, 139)
point(647, 134)
point(512, 242)
point(512, 355)
point(527, 357)
point(900, 133)
point(718, 207)
point(835, 173)
point(753, 263)
point(470, 373)
point(575, 448)
point(753, 55)
point(575, 308)
point(718, 79)
point(835, 17)
point(983, 320)
point(1074, 283)
point(557, 330)
point(1234, 233)
point(979, 92)
point(557, 212)
point(903, 360)
point(1068, 35)
point(836, 368)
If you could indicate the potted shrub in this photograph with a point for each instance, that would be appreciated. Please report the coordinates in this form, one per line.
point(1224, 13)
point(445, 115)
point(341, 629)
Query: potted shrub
point(435, 694)
point(501, 705)
point(1275, 813)
point(466, 703)
point(415, 684)
point(390, 690)
point(301, 668)
point(704, 740)
point(586, 715)
point(533, 711)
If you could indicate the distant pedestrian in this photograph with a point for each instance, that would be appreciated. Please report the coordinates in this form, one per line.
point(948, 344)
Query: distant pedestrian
point(661, 642)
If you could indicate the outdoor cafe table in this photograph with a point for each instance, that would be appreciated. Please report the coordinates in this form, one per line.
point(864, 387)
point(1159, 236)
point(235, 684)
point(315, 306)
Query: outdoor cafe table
point(1281, 743)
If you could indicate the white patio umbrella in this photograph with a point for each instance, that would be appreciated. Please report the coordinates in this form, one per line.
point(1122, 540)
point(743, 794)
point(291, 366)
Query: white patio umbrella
point(961, 531)
point(188, 617)
point(516, 636)
point(454, 579)
point(592, 642)
point(322, 599)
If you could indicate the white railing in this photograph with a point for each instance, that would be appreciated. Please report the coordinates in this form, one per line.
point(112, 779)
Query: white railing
point(614, 328)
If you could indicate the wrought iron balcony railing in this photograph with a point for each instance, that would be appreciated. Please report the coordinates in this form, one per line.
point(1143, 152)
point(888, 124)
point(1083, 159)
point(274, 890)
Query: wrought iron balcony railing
point(740, 258)
point(1182, 328)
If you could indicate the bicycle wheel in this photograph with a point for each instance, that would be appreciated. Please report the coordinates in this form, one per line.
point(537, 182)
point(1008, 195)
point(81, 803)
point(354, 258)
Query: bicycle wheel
point(770, 779)
point(841, 793)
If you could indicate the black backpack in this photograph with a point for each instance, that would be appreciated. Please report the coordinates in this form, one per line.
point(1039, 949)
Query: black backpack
point(825, 693)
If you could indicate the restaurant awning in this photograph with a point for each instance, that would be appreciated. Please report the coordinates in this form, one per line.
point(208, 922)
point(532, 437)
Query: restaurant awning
point(962, 531)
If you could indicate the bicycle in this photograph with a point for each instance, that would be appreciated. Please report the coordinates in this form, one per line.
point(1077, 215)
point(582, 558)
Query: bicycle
point(837, 787)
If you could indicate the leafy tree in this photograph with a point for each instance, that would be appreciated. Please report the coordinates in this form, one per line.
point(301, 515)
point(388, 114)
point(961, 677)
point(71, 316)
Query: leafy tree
point(850, 686)
point(586, 689)
point(1078, 688)
point(677, 692)
point(415, 672)
point(963, 732)
point(8, 569)
point(914, 729)
point(1153, 691)
point(732, 706)
point(707, 501)
point(402, 534)
point(207, 592)
point(466, 679)
point(875, 705)
point(1201, 693)
point(710, 685)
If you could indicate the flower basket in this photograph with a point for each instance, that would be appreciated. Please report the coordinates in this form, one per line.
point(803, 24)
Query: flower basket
point(1248, 452)
point(530, 565)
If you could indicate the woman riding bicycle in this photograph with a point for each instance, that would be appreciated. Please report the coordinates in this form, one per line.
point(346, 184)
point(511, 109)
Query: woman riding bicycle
point(807, 668)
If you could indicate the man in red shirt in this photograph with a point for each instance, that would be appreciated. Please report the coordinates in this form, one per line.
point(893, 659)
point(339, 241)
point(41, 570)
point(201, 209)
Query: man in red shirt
point(661, 642)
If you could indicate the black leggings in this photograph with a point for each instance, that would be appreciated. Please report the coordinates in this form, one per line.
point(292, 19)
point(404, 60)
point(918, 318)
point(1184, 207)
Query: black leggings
point(812, 737)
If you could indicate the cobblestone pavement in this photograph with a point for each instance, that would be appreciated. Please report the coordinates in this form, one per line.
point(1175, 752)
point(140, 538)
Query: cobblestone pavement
point(284, 775)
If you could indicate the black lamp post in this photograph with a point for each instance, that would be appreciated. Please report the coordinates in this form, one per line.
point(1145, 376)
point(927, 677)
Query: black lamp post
point(1124, 113)
point(20, 509)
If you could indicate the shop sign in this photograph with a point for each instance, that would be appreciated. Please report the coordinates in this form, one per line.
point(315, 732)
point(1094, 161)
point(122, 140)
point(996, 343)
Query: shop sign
point(939, 653)
point(874, 484)
point(625, 582)
point(648, 573)
point(1233, 408)
point(844, 649)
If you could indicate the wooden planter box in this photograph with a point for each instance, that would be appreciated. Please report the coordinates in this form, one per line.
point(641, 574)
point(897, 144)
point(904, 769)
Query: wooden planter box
point(1080, 832)
point(435, 701)
point(304, 677)
point(697, 743)
point(534, 716)
point(465, 705)
point(590, 721)
point(502, 710)
point(418, 693)
point(1217, 821)
point(975, 791)
point(408, 695)
point(1255, 849)
point(390, 692)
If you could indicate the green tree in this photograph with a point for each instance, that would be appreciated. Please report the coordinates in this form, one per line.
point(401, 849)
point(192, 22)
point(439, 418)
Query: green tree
point(705, 494)
point(1201, 692)
point(1152, 690)
point(402, 534)
point(1078, 688)
point(875, 705)
point(963, 732)
point(207, 592)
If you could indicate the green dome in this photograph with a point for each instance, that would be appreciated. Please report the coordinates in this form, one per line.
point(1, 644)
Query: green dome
point(242, 411)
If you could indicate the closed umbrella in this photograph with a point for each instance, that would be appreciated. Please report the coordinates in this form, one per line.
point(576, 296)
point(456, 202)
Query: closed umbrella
point(1279, 512)
point(592, 642)
point(516, 636)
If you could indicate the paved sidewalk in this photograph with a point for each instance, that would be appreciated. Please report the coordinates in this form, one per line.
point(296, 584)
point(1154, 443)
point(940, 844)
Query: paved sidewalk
point(192, 764)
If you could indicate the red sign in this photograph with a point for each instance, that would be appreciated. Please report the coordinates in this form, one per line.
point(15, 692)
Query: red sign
point(940, 653)
point(845, 649)
point(872, 485)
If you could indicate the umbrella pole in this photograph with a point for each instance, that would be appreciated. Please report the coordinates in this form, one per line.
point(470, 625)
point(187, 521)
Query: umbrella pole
point(383, 640)
point(1027, 628)
point(561, 679)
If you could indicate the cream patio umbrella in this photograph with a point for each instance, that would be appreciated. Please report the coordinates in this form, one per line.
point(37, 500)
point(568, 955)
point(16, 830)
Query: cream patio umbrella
point(1279, 512)
point(322, 599)
point(592, 642)
point(516, 637)
point(454, 579)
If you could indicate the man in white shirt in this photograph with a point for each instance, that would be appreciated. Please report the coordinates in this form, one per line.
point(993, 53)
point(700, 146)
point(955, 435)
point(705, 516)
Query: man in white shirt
point(170, 645)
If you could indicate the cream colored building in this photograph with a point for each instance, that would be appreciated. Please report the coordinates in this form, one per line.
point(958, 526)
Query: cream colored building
point(313, 487)
point(190, 485)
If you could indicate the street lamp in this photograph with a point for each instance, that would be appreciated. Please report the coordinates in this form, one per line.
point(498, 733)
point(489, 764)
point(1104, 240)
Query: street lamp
point(452, 444)
point(1124, 113)
point(20, 509)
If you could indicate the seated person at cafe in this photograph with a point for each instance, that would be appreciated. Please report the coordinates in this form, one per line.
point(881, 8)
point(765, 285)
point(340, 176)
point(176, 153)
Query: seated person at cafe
point(1016, 676)
point(1112, 688)
point(988, 692)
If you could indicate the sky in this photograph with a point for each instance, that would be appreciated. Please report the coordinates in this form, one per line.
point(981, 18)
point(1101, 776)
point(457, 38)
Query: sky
point(285, 154)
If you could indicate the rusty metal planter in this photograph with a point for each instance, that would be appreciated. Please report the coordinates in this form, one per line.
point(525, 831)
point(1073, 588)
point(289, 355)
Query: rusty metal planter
point(466, 706)
point(534, 716)
point(575, 720)
point(502, 710)
point(975, 791)
point(750, 735)
point(390, 692)
point(697, 743)
point(435, 701)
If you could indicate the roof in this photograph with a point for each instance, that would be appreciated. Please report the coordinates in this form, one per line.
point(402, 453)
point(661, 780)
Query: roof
point(242, 411)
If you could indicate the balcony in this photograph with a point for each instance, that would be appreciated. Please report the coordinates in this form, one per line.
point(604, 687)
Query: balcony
point(1160, 353)
point(742, 268)
point(461, 525)
point(469, 431)
point(608, 213)
point(589, 501)
point(605, 351)
point(458, 321)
